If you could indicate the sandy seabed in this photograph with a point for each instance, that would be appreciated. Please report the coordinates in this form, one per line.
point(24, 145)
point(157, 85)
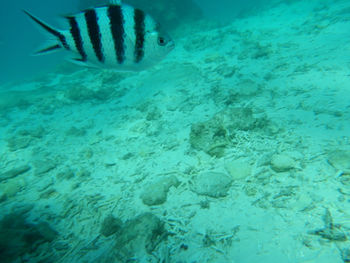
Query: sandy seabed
point(235, 149)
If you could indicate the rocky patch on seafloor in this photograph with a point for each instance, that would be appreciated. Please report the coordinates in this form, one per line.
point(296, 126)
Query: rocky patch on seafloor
point(83, 94)
point(10, 100)
point(25, 138)
point(20, 239)
point(330, 231)
point(39, 98)
point(218, 133)
point(136, 239)
point(82, 86)
point(141, 235)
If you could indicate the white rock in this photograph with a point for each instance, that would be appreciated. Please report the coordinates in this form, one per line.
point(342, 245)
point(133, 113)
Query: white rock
point(340, 159)
point(282, 163)
point(238, 169)
point(156, 193)
point(212, 184)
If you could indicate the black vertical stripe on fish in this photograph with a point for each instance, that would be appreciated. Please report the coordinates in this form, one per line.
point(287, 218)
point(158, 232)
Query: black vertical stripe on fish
point(49, 29)
point(94, 33)
point(117, 28)
point(139, 19)
point(75, 32)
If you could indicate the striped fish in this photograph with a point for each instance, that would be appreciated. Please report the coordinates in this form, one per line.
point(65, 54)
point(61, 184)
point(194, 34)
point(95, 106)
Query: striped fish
point(115, 36)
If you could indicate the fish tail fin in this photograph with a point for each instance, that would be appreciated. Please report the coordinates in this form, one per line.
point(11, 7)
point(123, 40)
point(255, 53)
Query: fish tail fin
point(51, 46)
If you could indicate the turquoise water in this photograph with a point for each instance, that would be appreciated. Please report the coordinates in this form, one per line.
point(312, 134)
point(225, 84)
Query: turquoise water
point(233, 149)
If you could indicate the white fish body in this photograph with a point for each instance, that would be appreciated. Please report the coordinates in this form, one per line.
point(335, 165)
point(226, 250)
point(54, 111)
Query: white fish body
point(115, 36)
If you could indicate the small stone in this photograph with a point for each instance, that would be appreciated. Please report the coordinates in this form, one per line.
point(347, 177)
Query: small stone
point(282, 163)
point(280, 203)
point(48, 193)
point(12, 187)
point(340, 159)
point(66, 174)
point(83, 173)
point(238, 169)
point(14, 172)
point(86, 153)
point(212, 184)
point(128, 156)
point(248, 87)
point(154, 196)
point(76, 132)
point(19, 142)
point(110, 161)
point(156, 193)
point(250, 190)
point(44, 166)
point(110, 226)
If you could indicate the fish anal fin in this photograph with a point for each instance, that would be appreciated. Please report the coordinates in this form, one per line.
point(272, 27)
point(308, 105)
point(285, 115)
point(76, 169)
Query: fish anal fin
point(47, 48)
point(81, 62)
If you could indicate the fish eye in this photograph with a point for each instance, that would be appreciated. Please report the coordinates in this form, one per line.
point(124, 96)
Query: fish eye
point(161, 41)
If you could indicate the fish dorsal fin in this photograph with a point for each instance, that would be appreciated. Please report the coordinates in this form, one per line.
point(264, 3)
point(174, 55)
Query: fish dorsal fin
point(115, 2)
point(104, 3)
